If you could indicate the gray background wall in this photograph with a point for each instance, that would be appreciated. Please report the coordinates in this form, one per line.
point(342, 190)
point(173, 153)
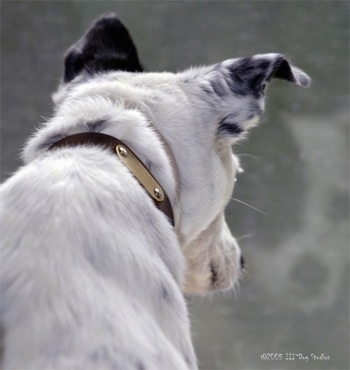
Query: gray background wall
point(295, 296)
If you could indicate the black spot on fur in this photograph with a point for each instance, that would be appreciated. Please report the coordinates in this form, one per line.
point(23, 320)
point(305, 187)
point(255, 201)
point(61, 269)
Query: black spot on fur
point(214, 273)
point(232, 129)
point(227, 127)
point(106, 46)
point(165, 293)
point(95, 126)
point(246, 77)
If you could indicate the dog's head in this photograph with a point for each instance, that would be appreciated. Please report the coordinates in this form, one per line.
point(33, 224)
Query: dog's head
point(197, 115)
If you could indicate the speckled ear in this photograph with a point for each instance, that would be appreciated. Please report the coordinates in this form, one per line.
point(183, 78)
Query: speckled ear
point(106, 46)
point(249, 76)
point(235, 88)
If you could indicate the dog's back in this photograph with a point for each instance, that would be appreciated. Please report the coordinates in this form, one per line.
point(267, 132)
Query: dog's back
point(86, 282)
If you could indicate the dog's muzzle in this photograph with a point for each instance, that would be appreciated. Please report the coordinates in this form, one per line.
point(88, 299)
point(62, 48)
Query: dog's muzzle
point(132, 162)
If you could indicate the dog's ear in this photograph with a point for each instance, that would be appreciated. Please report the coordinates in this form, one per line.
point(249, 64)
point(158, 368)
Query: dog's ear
point(106, 46)
point(235, 89)
point(249, 76)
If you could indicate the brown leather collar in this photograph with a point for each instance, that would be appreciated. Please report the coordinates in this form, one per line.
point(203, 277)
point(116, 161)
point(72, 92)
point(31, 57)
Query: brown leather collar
point(125, 154)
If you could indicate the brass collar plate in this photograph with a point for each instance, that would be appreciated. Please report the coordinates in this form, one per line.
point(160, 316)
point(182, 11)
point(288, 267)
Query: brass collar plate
point(140, 172)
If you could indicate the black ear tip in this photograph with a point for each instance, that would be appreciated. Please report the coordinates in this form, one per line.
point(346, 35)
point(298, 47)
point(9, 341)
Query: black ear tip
point(105, 46)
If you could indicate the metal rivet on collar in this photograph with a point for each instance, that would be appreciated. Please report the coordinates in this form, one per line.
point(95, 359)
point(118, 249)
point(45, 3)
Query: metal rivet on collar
point(158, 193)
point(122, 151)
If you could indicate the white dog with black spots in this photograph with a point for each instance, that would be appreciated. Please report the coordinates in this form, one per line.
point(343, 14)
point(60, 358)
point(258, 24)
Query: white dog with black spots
point(93, 275)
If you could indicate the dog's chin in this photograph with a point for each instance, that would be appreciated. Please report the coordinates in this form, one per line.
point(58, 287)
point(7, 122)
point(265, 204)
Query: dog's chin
point(206, 282)
point(221, 274)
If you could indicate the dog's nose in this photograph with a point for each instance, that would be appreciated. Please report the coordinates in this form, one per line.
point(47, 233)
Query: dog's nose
point(242, 262)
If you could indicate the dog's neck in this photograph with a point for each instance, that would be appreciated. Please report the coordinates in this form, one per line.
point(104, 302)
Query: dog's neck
point(132, 162)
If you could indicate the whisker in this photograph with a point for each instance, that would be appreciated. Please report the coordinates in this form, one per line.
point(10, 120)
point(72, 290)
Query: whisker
point(244, 237)
point(240, 155)
point(250, 206)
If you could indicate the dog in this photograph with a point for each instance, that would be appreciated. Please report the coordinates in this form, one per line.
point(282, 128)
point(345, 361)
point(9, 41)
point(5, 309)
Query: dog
point(118, 211)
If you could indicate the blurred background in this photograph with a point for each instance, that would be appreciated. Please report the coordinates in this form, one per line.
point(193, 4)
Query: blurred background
point(294, 298)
